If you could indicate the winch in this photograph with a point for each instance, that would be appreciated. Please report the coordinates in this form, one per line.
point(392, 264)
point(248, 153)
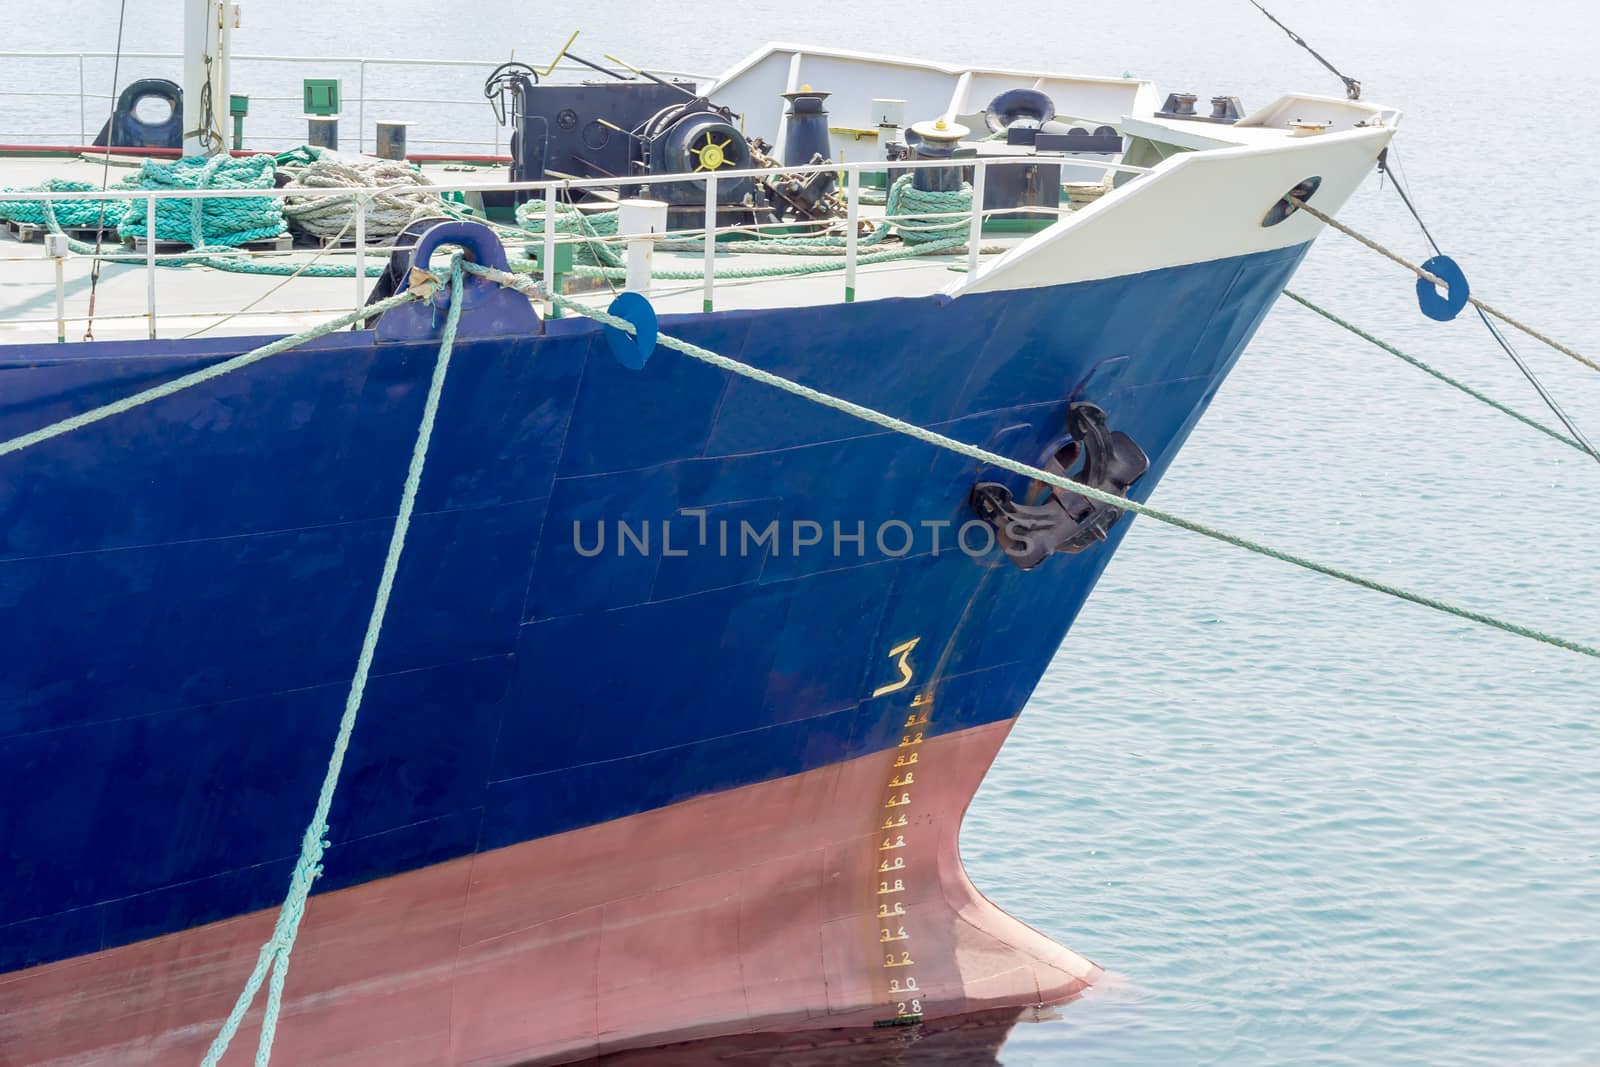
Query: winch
point(694, 137)
point(629, 128)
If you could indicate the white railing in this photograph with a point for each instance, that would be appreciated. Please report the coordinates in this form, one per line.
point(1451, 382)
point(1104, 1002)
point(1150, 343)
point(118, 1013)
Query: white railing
point(550, 192)
point(95, 107)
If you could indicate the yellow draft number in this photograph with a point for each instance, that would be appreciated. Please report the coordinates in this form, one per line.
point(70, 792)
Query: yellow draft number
point(901, 654)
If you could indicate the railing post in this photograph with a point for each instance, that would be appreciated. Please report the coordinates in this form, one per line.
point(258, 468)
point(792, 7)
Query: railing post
point(83, 121)
point(361, 105)
point(361, 250)
point(549, 263)
point(852, 236)
point(150, 261)
point(975, 234)
point(56, 248)
point(711, 241)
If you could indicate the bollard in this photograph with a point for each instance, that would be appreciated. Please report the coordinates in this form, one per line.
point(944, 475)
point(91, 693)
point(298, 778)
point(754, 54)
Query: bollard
point(642, 222)
point(392, 139)
point(937, 140)
point(322, 131)
point(805, 127)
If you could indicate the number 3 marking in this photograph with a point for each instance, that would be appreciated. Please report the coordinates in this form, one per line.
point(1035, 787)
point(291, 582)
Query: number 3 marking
point(901, 655)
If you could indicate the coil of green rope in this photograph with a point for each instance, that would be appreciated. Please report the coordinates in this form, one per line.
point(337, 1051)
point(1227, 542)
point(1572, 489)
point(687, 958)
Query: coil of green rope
point(571, 219)
point(906, 199)
point(210, 221)
point(207, 259)
point(75, 214)
point(201, 223)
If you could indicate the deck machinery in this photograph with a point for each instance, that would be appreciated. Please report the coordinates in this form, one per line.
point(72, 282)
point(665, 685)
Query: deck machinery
point(641, 129)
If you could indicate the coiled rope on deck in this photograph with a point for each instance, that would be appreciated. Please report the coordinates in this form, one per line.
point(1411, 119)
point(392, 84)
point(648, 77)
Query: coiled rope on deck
point(387, 213)
point(206, 222)
point(75, 214)
point(530, 288)
point(595, 226)
point(905, 199)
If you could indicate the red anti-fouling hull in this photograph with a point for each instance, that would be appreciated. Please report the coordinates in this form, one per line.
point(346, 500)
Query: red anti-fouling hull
point(830, 898)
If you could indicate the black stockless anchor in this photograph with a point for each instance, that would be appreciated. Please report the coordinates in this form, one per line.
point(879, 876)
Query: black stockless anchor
point(1066, 521)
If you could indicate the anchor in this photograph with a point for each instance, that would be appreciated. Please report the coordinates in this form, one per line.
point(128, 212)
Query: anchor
point(1066, 521)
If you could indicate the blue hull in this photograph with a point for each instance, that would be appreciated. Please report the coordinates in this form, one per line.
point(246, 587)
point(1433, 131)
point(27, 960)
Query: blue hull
point(186, 586)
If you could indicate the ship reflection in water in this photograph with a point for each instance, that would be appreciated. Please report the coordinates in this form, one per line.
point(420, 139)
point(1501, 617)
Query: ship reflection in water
point(972, 1040)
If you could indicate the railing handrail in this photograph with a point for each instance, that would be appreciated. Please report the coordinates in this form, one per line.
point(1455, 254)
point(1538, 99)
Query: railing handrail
point(369, 60)
point(973, 240)
point(359, 97)
point(561, 184)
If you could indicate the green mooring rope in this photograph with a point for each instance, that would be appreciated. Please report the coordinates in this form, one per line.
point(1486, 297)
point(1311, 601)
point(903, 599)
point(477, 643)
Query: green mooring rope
point(216, 370)
point(231, 263)
point(906, 199)
point(889, 422)
point(1435, 372)
point(272, 965)
point(78, 214)
point(205, 224)
point(571, 219)
point(788, 270)
point(202, 223)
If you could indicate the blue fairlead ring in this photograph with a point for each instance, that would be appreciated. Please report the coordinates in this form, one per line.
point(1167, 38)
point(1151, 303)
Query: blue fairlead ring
point(632, 352)
point(1446, 306)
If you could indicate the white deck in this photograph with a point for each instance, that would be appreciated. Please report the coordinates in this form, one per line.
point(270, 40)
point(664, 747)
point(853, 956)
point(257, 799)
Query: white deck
point(192, 300)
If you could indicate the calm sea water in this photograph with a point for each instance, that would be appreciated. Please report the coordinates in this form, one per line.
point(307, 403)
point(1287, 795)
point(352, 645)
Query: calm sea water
point(1298, 822)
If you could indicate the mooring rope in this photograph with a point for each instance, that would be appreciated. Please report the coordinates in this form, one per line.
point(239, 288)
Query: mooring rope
point(272, 965)
point(1435, 372)
point(532, 289)
point(229, 263)
point(788, 270)
point(199, 377)
point(1416, 269)
point(329, 217)
point(1550, 401)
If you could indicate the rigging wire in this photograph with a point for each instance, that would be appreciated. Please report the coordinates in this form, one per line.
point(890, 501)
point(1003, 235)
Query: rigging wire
point(1352, 88)
point(105, 178)
point(1494, 331)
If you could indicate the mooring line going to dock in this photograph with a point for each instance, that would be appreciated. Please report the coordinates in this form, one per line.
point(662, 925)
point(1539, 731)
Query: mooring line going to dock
point(1385, 159)
point(1426, 368)
point(200, 377)
point(272, 965)
point(1428, 276)
point(533, 290)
